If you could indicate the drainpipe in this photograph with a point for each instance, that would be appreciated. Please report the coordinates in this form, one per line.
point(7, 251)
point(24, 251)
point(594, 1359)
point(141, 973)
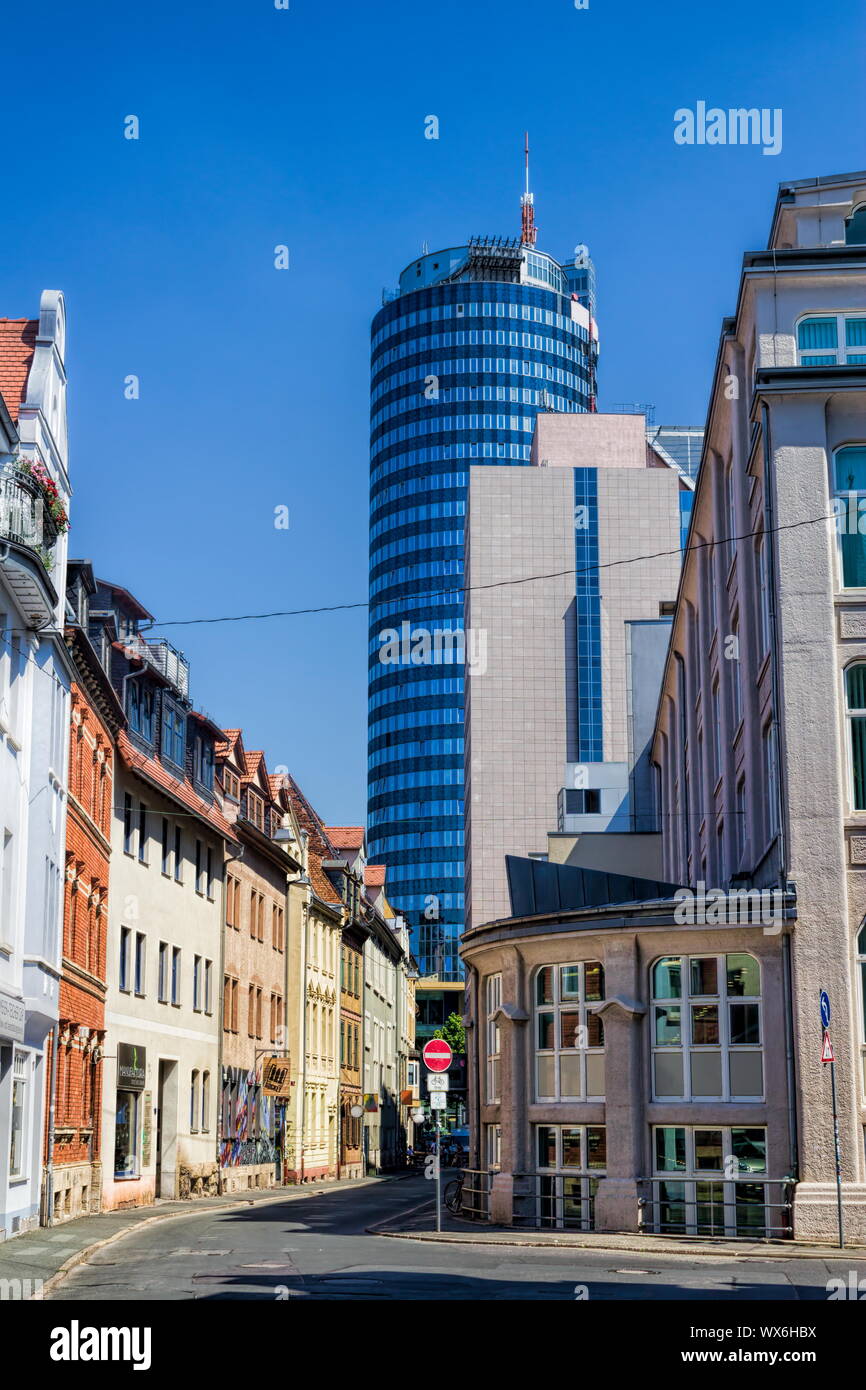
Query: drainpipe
point(475, 1126)
point(52, 1085)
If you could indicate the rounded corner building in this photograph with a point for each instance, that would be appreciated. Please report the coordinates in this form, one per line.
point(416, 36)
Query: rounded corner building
point(475, 342)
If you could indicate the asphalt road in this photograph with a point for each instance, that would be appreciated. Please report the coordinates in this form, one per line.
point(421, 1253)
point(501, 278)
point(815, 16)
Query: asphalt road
point(316, 1247)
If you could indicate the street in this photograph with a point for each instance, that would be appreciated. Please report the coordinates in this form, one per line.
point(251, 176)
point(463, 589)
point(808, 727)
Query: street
point(317, 1247)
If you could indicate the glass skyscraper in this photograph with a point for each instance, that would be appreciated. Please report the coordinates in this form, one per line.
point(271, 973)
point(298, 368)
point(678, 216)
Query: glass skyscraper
point(477, 340)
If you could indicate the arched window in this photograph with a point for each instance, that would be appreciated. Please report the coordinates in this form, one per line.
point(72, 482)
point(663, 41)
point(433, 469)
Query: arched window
point(849, 491)
point(855, 227)
point(569, 1033)
point(707, 1028)
point(855, 709)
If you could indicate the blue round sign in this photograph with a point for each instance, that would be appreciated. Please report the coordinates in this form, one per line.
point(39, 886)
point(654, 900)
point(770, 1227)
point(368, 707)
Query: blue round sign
point(825, 1009)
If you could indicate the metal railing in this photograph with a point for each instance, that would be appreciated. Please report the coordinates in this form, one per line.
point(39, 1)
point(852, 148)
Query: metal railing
point(475, 1195)
point(24, 515)
point(555, 1201)
point(165, 658)
point(722, 1215)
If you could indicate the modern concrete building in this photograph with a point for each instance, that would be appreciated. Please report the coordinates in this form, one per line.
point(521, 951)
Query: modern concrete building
point(569, 628)
point(35, 679)
point(649, 1054)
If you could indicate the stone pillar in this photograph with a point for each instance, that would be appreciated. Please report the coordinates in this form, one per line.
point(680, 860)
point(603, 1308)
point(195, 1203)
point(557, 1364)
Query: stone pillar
point(513, 1017)
point(616, 1202)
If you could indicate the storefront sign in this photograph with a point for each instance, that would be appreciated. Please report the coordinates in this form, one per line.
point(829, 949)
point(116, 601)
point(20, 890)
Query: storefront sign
point(276, 1077)
point(12, 1016)
point(131, 1067)
point(146, 1116)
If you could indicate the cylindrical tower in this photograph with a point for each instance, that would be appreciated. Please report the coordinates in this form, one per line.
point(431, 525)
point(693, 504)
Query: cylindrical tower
point(475, 342)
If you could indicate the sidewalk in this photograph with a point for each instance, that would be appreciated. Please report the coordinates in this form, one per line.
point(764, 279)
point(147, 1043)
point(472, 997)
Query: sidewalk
point(30, 1261)
point(419, 1223)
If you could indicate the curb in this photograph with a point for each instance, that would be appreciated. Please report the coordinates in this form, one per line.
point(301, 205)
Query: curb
point(84, 1254)
point(772, 1253)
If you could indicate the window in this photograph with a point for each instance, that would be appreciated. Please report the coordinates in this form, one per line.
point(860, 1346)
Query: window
point(175, 975)
point(205, 1102)
point(123, 973)
point(855, 708)
point(231, 785)
point(571, 1160)
point(569, 1033)
point(197, 983)
point(198, 868)
point(713, 1190)
point(173, 731)
point(127, 823)
point(251, 1012)
point(139, 708)
point(203, 761)
point(140, 947)
point(18, 1129)
point(582, 801)
point(763, 596)
point(861, 971)
point(832, 339)
point(193, 1102)
point(142, 832)
point(178, 855)
point(493, 986)
point(126, 1130)
point(208, 870)
point(849, 505)
point(771, 778)
point(166, 847)
point(706, 1028)
point(162, 983)
point(255, 810)
point(855, 227)
point(208, 986)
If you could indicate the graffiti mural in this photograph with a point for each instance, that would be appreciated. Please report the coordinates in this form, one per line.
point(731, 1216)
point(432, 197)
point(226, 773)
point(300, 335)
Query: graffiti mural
point(248, 1120)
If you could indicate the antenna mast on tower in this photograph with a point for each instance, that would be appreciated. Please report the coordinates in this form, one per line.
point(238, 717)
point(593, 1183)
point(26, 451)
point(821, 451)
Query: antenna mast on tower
point(528, 231)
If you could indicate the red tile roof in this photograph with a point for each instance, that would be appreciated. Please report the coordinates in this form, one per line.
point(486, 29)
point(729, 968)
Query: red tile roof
point(322, 885)
point(17, 345)
point(374, 875)
point(346, 836)
point(154, 772)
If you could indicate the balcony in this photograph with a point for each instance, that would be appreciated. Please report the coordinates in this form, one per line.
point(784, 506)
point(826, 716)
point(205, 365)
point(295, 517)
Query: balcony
point(164, 658)
point(28, 538)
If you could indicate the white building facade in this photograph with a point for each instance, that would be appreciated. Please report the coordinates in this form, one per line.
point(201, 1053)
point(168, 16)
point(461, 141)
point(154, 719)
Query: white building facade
point(35, 680)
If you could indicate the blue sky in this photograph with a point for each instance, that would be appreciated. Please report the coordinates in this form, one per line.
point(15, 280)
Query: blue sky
point(305, 127)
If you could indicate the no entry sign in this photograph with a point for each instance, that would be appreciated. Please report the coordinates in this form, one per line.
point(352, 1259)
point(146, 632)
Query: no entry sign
point(437, 1055)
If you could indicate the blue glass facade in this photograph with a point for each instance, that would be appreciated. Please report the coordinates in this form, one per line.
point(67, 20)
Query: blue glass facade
point(462, 359)
point(590, 738)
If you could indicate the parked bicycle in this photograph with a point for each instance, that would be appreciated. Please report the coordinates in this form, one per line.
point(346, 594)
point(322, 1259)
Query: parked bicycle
point(454, 1195)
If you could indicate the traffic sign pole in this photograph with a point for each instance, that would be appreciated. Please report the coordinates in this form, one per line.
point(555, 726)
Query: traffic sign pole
point(438, 1172)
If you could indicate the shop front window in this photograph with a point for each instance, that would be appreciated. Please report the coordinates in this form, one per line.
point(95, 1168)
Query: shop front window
point(17, 1142)
point(126, 1135)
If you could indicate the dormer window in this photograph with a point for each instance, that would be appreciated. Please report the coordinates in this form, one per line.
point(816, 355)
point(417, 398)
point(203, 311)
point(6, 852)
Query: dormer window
point(256, 809)
point(139, 709)
point(231, 785)
point(173, 733)
point(203, 761)
point(855, 227)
